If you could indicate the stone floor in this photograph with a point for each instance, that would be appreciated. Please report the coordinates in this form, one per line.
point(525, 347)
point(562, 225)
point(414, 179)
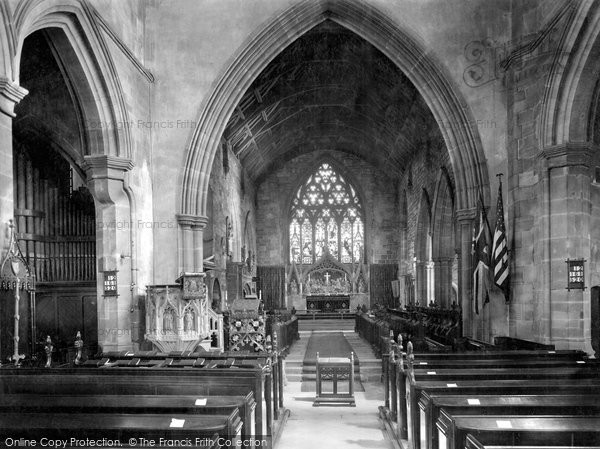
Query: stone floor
point(335, 427)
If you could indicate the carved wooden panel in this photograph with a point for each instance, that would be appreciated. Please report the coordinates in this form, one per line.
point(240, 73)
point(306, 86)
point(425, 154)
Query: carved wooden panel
point(247, 332)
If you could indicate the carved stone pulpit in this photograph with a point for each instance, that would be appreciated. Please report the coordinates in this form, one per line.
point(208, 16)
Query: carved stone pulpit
point(178, 316)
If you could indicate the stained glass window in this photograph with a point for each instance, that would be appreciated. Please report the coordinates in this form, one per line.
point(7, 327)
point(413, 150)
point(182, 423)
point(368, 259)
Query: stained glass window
point(326, 215)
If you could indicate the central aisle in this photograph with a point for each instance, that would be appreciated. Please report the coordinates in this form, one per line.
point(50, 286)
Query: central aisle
point(338, 427)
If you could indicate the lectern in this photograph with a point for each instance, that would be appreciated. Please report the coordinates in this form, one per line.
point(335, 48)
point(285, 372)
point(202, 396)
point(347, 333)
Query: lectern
point(335, 369)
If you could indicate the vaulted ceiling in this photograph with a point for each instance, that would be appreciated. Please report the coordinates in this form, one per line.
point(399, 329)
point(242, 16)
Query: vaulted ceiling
point(330, 90)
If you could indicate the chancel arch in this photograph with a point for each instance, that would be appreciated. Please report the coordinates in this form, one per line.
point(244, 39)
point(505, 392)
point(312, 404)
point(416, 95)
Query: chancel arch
point(457, 129)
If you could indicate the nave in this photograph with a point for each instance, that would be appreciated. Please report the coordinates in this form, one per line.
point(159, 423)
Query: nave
point(188, 187)
point(339, 426)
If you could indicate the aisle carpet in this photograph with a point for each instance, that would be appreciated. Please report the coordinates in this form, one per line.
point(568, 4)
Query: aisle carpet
point(328, 344)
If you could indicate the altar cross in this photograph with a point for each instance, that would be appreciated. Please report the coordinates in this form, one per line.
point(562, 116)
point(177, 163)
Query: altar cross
point(327, 276)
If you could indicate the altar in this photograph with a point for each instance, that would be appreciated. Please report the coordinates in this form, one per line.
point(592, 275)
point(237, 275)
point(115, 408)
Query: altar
point(327, 303)
point(327, 286)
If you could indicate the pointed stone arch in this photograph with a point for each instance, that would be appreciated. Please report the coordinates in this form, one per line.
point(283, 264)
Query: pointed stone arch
point(71, 27)
point(572, 84)
point(87, 56)
point(455, 119)
point(443, 233)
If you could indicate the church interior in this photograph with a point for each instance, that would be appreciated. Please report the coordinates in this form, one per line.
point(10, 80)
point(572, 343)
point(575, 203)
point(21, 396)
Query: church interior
point(281, 223)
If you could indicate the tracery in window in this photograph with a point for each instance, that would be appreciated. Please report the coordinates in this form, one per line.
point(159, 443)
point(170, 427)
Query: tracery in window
point(326, 214)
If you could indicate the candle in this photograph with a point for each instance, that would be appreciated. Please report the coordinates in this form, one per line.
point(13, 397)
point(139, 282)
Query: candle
point(260, 294)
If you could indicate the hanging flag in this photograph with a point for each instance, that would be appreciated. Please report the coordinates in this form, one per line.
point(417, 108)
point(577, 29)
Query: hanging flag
point(500, 250)
point(481, 259)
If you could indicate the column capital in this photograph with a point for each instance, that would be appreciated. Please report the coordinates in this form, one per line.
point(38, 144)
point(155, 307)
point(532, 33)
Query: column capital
point(103, 166)
point(569, 154)
point(192, 221)
point(10, 94)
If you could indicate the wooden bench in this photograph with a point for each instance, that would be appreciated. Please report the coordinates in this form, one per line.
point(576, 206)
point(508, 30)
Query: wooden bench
point(430, 408)
point(395, 371)
point(512, 355)
point(401, 373)
point(412, 381)
point(139, 381)
point(501, 363)
point(77, 428)
point(142, 404)
point(202, 359)
point(494, 387)
point(583, 371)
point(518, 430)
point(485, 442)
point(512, 343)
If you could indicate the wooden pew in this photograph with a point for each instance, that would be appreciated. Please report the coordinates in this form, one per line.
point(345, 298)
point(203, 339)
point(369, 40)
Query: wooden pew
point(534, 366)
point(485, 442)
point(512, 355)
point(401, 372)
point(512, 343)
point(203, 359)
point(516, 372)
point(394, 373)
point(430, 407)
point(136, 381)
point(518, 430)
point(141, 404)
point(120, 427)
point(494, 387)
point(501, 363)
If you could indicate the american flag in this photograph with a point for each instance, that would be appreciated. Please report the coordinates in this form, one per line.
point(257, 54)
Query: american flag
point(500, 250)
point(481, 259)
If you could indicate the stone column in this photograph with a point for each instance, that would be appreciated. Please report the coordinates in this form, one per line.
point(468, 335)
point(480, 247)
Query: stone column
point(421, 283)
point(191, 249)
point(105, 176)
point(465, 219)
point(10, 95)
point(403, 264)
point(566, 317)
point(443, 281)
point(430, 274)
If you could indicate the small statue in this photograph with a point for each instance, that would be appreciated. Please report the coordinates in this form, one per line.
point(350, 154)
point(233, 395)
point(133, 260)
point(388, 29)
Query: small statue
point(189, 321)
point(48, 348)
point(79, 347)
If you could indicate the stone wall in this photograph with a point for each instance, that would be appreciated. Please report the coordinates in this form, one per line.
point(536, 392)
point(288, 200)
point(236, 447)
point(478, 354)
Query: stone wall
point(549, 195)
point(232, 200)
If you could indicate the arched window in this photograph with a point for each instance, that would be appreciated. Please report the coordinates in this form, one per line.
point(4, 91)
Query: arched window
point(326, 214)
